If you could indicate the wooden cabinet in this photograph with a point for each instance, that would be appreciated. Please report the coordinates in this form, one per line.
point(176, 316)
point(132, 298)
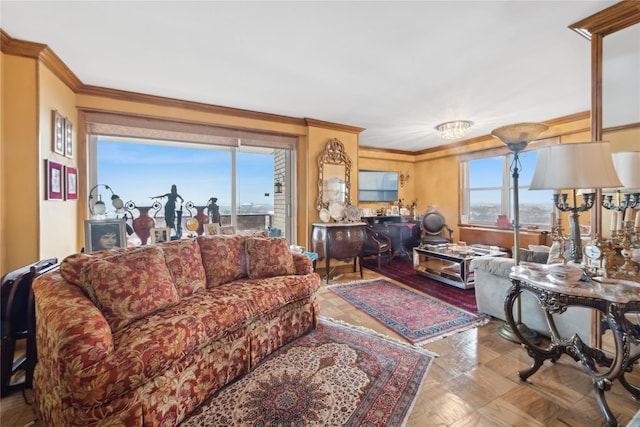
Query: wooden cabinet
point(338, 241)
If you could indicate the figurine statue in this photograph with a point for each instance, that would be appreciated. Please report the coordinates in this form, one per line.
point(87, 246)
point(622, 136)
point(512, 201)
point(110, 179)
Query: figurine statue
point(214, 211)
point(170, 206)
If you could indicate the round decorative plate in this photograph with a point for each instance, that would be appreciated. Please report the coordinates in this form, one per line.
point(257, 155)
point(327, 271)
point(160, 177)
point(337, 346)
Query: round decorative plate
point(336, 209)
point(352, 213)
point(325, 216)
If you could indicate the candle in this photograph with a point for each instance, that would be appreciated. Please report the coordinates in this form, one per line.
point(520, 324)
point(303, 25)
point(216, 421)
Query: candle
point(628, 214)
point(619, 221)
point(553, 219)
point(637, 225)
point(614, 215)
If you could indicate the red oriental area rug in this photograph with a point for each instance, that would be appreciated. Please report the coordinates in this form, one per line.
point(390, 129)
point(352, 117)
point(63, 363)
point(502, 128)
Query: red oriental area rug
point(336, 375)
point(418, 318)
point(402, 271)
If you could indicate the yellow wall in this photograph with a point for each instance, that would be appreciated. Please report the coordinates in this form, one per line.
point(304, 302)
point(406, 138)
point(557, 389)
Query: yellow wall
point(21, 164)
point(59, 234)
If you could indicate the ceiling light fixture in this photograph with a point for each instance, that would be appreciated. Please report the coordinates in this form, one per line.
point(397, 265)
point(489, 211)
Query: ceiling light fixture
point(454, 130)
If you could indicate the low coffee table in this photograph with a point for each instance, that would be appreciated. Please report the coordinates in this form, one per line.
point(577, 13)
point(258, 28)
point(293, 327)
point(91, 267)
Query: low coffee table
point(449, 265)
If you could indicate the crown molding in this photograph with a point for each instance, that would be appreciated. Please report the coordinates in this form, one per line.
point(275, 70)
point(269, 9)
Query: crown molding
point(334, 126)
point(45, 55)
point(612, 19)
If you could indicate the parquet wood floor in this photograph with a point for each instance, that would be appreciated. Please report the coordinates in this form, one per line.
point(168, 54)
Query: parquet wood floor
point(473, 382)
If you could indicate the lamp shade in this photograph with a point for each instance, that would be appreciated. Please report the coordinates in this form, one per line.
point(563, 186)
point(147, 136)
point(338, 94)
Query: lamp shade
point(627, 165)
point(517, 136)
point(575, 166)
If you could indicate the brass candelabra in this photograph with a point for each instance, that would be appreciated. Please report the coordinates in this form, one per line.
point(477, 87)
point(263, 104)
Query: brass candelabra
point(619, 264)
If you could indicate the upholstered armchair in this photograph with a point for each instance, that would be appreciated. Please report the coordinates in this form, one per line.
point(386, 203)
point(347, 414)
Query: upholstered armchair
point(434, 230)
point(376, 244)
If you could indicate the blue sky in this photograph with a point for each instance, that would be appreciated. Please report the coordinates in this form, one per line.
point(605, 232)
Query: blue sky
point(488, 173)
point(139, 171)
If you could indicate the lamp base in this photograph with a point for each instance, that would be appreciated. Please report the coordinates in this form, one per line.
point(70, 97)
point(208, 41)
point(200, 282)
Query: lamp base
point(507, 333)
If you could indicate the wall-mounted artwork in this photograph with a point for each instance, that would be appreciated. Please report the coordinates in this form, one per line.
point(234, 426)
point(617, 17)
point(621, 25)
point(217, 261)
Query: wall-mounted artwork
point(58, 133)
point(68, 138)
point(70, 183)
point(55, 182)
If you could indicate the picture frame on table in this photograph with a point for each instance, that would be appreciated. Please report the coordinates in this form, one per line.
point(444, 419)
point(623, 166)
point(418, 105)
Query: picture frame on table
point(159, 235)
point(58, 133)
point(70, 183)
point(55, 180)
point(68, 138)
point(211, 229)
point(104, 234)
point(227, 230)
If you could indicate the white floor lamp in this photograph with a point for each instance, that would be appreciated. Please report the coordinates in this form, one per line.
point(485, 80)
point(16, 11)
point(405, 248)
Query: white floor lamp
point(516, 137)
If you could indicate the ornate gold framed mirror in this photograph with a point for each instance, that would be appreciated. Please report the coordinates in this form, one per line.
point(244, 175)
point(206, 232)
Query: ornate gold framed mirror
point(334, 175)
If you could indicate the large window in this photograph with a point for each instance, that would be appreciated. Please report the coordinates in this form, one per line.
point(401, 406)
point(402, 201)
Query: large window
point(488, 191)
point(240, 177)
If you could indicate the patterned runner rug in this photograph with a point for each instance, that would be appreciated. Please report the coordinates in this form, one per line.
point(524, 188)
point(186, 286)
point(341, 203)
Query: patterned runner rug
point(333, 376)
point(402, 271)
point(418, 318)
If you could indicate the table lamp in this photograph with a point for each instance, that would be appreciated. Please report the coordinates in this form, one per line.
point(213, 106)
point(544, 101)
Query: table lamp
point(584, 166)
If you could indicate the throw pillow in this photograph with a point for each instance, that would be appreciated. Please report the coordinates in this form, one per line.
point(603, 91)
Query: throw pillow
point(184, 260)
point(533, 256)
point(133, 285)
point(269, 258)
point(74, 268)
point(539, 248)
point(223, 258)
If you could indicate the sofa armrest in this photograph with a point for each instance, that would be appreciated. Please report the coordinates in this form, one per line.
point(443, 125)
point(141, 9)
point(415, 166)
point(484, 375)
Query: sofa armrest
point(494, 265)
point(71, 331)
point(303, 263)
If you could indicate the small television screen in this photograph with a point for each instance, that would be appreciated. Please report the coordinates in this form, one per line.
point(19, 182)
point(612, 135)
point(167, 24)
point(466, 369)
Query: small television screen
point(377, 186)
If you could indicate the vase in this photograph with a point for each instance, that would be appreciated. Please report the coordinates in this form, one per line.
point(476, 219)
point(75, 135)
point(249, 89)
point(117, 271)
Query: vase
point(143, 224)
point(202, 218)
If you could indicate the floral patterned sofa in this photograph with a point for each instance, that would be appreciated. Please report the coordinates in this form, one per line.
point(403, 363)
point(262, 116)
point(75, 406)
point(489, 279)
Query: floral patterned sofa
point(141, 336)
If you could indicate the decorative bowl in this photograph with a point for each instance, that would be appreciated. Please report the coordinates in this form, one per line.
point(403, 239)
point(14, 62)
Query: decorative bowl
point(564, 273)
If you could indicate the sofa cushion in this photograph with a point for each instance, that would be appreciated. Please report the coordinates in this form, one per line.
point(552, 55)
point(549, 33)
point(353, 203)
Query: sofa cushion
point(74, 268)
point(533, 256)
point(156, 343)
point(269, 258)
point(184, 260)
point(223, 258)
point(132, 285)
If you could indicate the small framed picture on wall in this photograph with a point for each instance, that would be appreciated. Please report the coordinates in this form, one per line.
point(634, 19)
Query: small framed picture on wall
point(70, 183)
point(55, 181)
point(58, 133)
point(68, 138)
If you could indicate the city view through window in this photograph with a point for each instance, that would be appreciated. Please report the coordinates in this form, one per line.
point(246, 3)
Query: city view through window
point(144, 172)
point(490, 192)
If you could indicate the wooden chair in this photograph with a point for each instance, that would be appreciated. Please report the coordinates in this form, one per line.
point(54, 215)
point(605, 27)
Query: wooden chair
point(18, 322)
point(376, 244)
point(433, 228)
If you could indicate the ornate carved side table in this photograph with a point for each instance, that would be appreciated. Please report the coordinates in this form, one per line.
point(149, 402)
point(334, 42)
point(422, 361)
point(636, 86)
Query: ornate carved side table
point(615, 299)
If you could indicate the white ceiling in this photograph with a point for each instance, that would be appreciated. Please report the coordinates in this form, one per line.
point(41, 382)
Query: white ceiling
point(394, 68)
